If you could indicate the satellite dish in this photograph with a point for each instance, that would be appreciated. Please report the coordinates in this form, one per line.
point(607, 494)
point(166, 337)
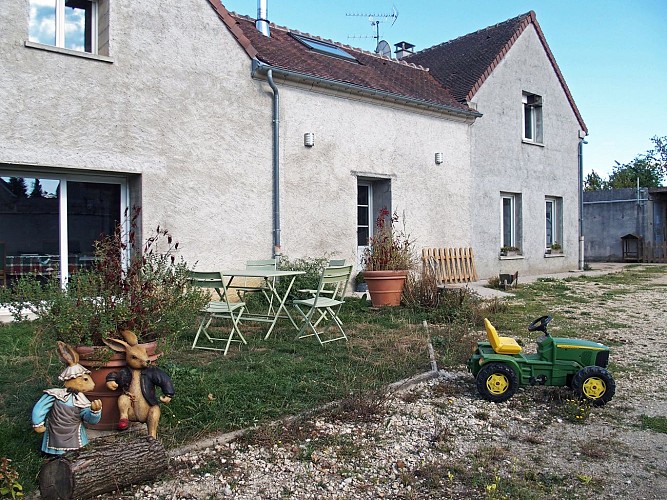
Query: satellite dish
point(383, 48)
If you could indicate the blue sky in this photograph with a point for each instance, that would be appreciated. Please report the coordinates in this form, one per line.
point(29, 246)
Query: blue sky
point(612, 53)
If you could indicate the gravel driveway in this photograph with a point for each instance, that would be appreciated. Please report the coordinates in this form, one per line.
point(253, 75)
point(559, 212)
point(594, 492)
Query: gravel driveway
point(438, 439)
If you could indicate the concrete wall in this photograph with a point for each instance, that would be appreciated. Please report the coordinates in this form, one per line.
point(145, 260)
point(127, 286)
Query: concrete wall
point(177, 113)
point(613, 213)
point(502, 162)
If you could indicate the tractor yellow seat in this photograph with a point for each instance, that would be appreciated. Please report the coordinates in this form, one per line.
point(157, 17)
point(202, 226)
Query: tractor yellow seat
point(501, 345)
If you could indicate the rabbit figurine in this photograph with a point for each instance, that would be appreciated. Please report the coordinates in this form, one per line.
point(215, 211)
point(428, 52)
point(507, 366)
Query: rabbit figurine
point(138, 403)
point(60, 412)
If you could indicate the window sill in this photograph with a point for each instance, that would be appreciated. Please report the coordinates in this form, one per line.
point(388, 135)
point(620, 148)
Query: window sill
point(553, 255)
point(510, 257)
point(68, 52)
point(533, 143)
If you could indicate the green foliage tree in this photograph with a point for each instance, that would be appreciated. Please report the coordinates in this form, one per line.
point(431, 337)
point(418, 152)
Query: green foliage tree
point(650, 168)
point(37, 191)
point(648, 171)
point(659, 154)
point(593, 182)
point(18, 186)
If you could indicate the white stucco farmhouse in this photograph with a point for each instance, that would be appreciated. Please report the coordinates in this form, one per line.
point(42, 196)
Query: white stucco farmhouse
point(250, 144)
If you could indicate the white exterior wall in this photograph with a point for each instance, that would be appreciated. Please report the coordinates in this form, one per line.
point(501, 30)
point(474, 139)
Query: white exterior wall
point(356, 138)
point(178, 114)
point(171, 108)
point(502, 162)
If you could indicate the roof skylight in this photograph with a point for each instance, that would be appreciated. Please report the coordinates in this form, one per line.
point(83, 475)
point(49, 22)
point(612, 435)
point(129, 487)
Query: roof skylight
point(324, 47)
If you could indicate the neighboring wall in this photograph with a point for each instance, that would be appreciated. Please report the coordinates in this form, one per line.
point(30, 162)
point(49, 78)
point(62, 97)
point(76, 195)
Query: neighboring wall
point(178, 114)
point(501, 162)
point(611, 214)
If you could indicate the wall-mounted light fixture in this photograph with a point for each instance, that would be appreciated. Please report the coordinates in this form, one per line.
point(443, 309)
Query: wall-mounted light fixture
point(309, 139)
point(438, 159)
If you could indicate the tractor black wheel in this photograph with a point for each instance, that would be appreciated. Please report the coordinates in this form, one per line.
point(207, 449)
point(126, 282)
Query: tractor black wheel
point(497, 382)
point(594, 384)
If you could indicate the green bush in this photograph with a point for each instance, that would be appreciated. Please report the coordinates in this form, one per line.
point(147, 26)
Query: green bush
point(147, 292)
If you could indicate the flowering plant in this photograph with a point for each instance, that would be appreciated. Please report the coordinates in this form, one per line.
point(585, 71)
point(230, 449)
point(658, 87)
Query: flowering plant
point(149, 292)
point(390, 248)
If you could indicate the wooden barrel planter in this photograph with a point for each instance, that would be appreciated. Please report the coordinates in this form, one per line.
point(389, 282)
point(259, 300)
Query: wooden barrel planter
point(385, 287)
point(100, 364)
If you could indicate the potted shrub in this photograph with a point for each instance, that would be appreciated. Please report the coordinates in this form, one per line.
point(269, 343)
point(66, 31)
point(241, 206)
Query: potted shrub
point(555, 248)
point(387, 260)
point(130, 286)
point(360, 284)
point(509, 251)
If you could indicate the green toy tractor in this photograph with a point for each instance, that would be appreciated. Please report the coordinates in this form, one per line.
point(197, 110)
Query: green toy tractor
point(500, 367)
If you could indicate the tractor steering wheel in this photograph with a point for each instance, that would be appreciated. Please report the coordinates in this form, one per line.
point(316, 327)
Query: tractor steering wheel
point(540, 324)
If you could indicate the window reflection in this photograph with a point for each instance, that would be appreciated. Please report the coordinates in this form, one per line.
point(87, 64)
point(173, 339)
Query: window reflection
point(29, 210)
point(30, 219)
point(42, 22)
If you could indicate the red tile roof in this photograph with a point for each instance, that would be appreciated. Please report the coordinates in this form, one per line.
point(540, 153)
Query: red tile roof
point(463, 64)
point(372, 72)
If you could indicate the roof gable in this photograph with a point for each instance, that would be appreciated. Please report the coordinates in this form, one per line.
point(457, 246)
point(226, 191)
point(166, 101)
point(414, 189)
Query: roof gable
point(370, 71)
point(462, 65)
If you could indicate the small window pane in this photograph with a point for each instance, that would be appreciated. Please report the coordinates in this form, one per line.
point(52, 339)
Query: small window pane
point(42, 28)
point(324, 47)
point(507, 222)
point(93, 210)
point(362, 216)
point(78, 25)
point(549, 223)
point(537, 111)
point(362, 236)
point(528, 115)
point(362, 195)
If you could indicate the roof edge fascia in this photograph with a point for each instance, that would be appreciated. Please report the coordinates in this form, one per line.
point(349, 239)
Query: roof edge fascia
point(531, 18)
point(236, 32)
point(258, 67)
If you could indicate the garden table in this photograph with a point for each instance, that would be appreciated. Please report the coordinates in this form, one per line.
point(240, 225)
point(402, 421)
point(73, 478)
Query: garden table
point(270, 277)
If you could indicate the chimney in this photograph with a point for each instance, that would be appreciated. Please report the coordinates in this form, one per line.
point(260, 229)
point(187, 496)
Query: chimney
point(262, 22)
point(403, 49)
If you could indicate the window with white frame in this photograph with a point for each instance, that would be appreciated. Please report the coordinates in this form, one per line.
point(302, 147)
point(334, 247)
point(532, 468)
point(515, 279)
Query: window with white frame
point(554, 224)
point(510, 221)
point(49, 222)
point(532, 118)
point(77, 25)
point(372, 195)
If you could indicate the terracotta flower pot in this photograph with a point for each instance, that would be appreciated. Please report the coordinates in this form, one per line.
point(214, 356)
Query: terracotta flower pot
point(385, 287)
point(97, 360)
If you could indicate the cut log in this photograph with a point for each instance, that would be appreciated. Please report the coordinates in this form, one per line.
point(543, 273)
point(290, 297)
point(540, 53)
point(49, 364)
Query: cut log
point(106, 464)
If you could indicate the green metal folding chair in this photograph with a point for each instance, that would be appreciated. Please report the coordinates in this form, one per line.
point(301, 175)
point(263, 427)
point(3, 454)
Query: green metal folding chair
point(323, 308)
point(246, 287)
point(222, 309)
point(313, 291)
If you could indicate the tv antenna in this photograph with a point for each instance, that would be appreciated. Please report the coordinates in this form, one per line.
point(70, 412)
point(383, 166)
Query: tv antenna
point(376, 20)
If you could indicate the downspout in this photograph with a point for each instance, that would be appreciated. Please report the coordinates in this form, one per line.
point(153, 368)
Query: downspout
point(276, 165)
point(581, 199)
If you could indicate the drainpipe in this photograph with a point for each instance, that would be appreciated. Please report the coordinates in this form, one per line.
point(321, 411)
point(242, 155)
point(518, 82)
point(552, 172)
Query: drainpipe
point(276, 165)
point(580, 158)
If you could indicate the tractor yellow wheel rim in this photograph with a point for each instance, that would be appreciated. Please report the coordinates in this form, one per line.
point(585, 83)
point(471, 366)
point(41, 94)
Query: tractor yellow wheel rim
point(594, 388)
point(497, 383)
